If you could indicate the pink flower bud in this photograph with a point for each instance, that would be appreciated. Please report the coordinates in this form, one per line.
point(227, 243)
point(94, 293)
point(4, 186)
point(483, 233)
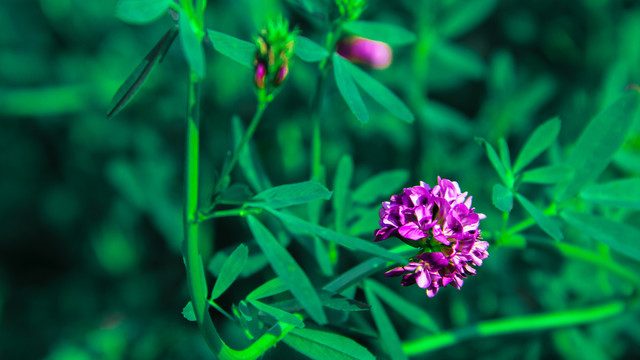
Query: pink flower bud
point(282, 74)
point(261, 73)
point(357, 49)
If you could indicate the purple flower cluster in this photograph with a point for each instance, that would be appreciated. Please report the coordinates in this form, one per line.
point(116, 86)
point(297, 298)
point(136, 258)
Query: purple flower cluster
point(442, 224)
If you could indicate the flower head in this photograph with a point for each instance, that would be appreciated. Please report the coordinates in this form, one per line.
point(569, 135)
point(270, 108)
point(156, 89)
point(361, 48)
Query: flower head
point(441, 223)
point(274, 49)
point(357, 49)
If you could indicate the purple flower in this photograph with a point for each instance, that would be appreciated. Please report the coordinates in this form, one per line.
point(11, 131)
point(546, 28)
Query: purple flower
point(357, 49)
point(441, 223)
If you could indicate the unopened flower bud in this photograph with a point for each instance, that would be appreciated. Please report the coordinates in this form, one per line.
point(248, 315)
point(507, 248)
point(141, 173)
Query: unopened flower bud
point(281, 75)
point(359, 50)
point(261, 74)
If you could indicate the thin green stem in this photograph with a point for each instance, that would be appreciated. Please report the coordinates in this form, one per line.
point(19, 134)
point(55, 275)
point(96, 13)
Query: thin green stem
point(221, 310)
point(525, 224)
point(513, 325)
point(227, 213)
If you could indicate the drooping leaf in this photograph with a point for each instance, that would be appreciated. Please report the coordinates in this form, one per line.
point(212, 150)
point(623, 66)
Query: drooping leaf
point(248, 159)
point(386, 33)
point(308, 50)
point(191, 45)
point(622, 237)
point(355, 275)
point(291, 194)
point(541, 138)
point(288, 270)
point(497, 164)
point(272, 287)
point(502, 198)
point(188, 313)
point(387, 332)
point(238, 50)
point(341, 239)
point(134, 82)
point(231, 268)
point(348, 88)
point(598, 143)
point(381, 185)
point(321, 345)
point(278, 314)
point(551, 174)
point(545, 223)
point(623, 193)
point(342, 194)
point(141, 11)
point(379, 92)
point(465, 16)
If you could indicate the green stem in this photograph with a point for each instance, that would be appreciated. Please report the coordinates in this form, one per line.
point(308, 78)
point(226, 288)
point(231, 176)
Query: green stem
point(226, 213)
point(525, 224)
point(512, 325)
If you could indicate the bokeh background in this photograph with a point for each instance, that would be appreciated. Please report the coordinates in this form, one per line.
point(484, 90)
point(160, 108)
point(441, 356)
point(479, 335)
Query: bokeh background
point(91, 209)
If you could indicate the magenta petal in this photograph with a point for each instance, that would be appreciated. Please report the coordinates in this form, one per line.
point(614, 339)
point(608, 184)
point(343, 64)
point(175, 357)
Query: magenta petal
point(411, 231)
point(423, 279)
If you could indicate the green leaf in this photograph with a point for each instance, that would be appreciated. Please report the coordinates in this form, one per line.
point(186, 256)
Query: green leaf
point(505, 155)
point(551, 174)
point(465, 16)
point(381, 185)
point(379, 92)
point(308, 50)
point(541, 138)
point(545, 223)
point(236, 194)
point(272, 287)
point(462, 60)
point(348, 89)
point(134, 82)
point(141, 11)
point(341, 239)
point(386, 33)
point(188, 313)
point(341, 303)
point(191, 45)
point(623, 193)
point(617, 235)
point(278, 314)
point(497, 164)
point(408, 310)
point(598, 143)
point(248, 159)
point(341, 198)
point(502, 198)
point(318, 9)
point(238, 50)
point(355, 275)
point(288, 270)
point(444, 119)
point(321, 345)
point(387, 332)
point(291, 194)
point(231, 268)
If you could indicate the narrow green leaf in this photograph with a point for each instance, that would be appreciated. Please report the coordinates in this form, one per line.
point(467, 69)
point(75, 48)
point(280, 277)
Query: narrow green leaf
point(408, 310)
point(617, 235)
point(238, 50)
point(551, 174)
point(191, 45)
point(308, 50)
point(381, 185)
point(623, 193)
point(355, 275)
point(322, 256)
point(272, 287)
point(502, 198)
point(231, 268)
point(545, 223)
point(291, 194)
point(341, 239)
point(321, 345)
point(386, 33)
point(379, 92)
point(387, 332)
point(288, 270)
point(465, 16)
point(248, 159)
point(342, 194)
point(598, 143)
point(348, 89)
point(497, 164)
point(278, 314)
point(141, 11)
point(505, 155)
point(134, 82)
point(541, 138)
point(341, 303)
point(188, 313)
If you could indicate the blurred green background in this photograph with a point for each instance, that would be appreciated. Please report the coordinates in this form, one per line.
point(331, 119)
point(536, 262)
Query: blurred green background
point(91, 209)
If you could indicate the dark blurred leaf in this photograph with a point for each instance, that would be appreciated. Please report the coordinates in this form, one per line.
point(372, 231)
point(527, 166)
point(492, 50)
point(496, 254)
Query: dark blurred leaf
point(541, 219)
point(235, 194)
point(623, 193)
point(141, 11)
point(598, 142)
point(502, 73)
point(272, 287)
point(381, 185)
point(278, 314)
point(541, 138)
point(248, 159)
point(230, 270)
point(442, 118)
point(134, 82)
point(191, 45)
point(348, 89)
point(341, 303)
point(379, 92)
point(288, 270)
point(321, 345)
point(386, 33)
point(466, 15)
point(318, 9)
point(238, 50)
point(461, 60)
point(387, 332)
point(620, 236)
point(309, 50)
point(551, 174)
point(502, 198)
point(188, 313)
point(291, 194)
point(342, 193)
